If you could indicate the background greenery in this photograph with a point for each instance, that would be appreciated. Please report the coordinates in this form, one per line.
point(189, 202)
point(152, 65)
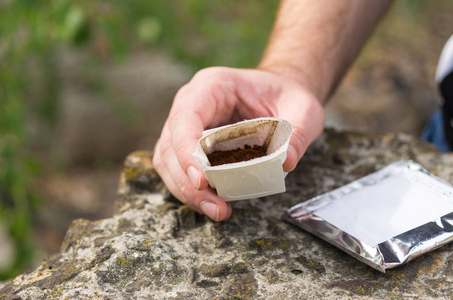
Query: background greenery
point(201, 33)
point(198, 33)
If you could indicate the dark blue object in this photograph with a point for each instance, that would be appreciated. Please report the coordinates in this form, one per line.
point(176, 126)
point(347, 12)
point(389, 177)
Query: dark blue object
point(434, 132)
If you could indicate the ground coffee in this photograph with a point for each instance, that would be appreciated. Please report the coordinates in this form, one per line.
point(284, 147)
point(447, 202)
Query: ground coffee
point(218, 158)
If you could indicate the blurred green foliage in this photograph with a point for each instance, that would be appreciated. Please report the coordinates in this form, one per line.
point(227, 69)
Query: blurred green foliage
point(199, 32)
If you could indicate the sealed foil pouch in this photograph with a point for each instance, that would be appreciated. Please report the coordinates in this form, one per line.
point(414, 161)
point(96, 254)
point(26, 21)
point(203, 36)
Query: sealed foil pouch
point(384, 219)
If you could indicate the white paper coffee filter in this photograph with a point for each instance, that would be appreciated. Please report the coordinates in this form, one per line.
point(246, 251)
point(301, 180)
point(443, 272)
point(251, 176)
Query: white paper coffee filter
point(255, 178)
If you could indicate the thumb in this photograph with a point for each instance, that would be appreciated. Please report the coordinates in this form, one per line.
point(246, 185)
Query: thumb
point(298, 144)
point(307, 127)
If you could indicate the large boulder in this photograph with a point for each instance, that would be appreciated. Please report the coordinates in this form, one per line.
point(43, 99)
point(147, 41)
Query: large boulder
point(155, 248)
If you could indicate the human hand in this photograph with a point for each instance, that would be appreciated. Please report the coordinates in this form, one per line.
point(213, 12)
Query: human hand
point(220, 96)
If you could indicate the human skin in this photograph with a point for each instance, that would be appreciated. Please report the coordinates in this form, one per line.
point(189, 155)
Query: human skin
point(312, 44)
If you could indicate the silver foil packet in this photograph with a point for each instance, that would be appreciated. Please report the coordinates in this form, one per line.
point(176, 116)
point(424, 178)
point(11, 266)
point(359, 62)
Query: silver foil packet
point(384, 219)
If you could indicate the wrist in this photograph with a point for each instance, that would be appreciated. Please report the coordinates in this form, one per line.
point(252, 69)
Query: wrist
point(299, 75)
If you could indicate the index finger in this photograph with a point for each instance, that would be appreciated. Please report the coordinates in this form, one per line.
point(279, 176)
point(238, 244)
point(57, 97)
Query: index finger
point(197, 106)
point(186, 129)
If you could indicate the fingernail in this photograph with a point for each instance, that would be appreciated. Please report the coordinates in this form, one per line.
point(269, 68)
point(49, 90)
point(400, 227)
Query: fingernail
point(210, 209)
point(194, 176)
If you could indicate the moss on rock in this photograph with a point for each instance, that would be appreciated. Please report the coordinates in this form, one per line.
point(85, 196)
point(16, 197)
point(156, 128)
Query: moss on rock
point(271, 243)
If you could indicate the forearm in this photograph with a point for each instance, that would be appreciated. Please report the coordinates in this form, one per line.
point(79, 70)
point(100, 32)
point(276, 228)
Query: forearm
point(315, 41)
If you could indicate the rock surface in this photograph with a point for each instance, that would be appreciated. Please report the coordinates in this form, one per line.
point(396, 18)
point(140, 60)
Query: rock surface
point(154, 248)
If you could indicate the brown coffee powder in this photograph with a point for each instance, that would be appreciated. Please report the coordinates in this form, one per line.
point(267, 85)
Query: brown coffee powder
point(218, 158)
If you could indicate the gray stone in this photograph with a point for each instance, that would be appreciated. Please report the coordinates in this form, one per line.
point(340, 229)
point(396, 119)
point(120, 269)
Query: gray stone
point(155, 248)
